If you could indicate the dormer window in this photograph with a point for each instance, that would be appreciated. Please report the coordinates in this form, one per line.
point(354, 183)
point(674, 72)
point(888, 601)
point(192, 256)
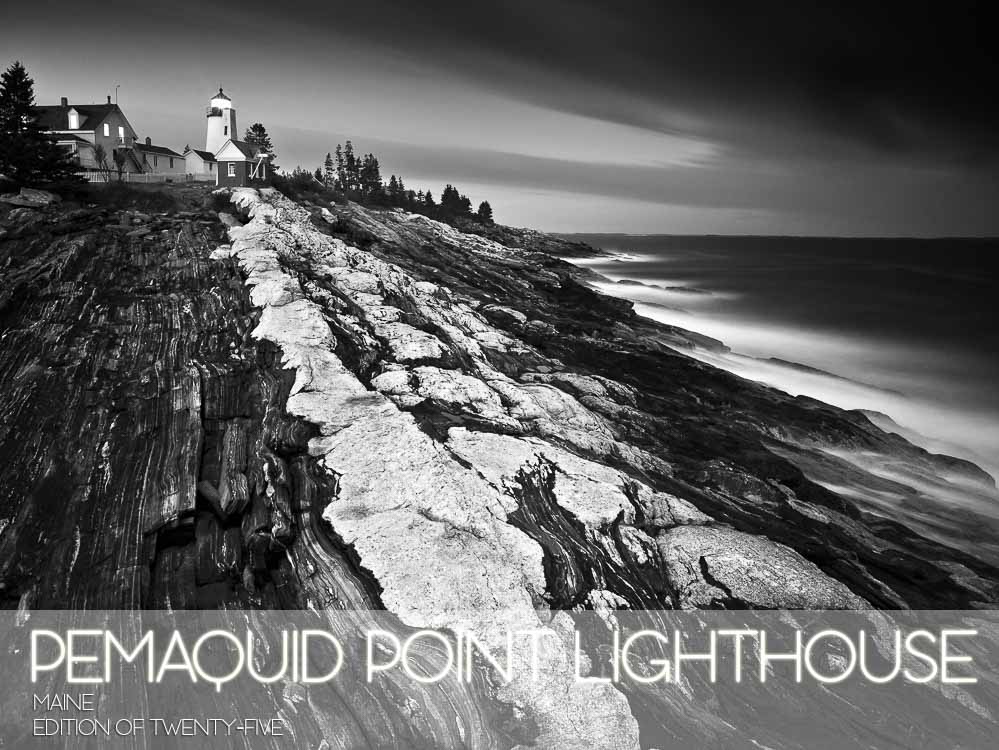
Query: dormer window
point(74, 120)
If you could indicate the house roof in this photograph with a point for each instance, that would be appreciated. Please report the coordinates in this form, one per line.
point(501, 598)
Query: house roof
point(205, 155)
point(161, 150)
point(220, 95)
point(56, 117)
point(248, 150)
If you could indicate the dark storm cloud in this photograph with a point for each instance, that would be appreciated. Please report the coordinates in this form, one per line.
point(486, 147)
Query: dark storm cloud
point(904, 81)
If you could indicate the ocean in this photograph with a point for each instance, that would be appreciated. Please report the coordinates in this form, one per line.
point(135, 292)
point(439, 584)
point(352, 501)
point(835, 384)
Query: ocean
point(904, 328)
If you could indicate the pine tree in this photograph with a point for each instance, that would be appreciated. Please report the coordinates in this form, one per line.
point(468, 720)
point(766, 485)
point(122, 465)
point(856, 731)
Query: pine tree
point(370, 178)
point(350, 167)
point(341, 169)
point(452, 203)
point(257, 135)
point(318, 174)
point(28, 156)
point(485, 213)
point(329, 173)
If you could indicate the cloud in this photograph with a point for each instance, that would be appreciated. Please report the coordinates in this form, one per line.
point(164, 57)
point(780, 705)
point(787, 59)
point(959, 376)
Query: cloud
point(899, 80)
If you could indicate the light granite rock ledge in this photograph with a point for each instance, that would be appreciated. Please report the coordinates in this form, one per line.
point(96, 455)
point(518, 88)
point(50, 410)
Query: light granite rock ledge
point(431, 530)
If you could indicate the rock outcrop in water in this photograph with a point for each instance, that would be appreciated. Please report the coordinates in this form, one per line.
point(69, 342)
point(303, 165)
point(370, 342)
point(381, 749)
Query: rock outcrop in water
point(329, 407)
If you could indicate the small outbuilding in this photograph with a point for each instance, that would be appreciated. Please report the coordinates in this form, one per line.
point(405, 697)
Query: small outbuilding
point(200, 165)
point(160, 160)
point(242, 164)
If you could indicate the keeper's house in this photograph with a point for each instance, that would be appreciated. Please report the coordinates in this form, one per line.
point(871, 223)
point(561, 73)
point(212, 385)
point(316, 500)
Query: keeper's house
point(242, 164)
point(81, 128)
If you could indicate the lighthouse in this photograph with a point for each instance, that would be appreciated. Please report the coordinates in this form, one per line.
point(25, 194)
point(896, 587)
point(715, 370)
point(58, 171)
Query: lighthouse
point(221, 122)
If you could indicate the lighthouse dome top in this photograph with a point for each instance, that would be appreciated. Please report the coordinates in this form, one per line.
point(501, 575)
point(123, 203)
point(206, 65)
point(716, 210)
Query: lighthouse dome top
point(220, 101)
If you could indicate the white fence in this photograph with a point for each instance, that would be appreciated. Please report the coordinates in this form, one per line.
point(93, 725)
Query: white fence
point(97, 175)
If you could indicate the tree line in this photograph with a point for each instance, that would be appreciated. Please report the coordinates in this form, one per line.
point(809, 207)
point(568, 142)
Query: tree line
point(359, 178)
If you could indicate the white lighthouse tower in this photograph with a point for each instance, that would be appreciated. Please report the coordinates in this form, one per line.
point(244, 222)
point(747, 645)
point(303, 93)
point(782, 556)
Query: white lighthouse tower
point(221, 122)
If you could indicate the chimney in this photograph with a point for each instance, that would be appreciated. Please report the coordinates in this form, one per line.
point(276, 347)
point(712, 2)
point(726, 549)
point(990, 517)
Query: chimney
point(64, 102)
point(149, 141)
point(109, 98)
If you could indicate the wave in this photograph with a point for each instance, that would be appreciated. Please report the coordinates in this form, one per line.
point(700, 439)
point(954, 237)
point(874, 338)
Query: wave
point(871, 374)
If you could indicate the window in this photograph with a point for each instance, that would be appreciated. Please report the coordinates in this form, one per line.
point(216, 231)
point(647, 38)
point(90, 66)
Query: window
point(121, 134)
point(74, 121)
point(232, 169)
point(107, 130)
point(171, 162)
point(156, 161)
point(225, 130)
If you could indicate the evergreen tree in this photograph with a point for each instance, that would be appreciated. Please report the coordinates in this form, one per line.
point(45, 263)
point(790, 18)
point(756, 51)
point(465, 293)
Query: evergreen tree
point(452, 202)
point(350, 167)
point(318, 174)
point(328, 175)
point(27, 155)
point(257, 135)
point(485, 213)
point(341, 169)
point(370, 179)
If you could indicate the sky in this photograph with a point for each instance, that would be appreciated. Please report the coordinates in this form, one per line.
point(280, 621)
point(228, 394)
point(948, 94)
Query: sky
point(841, 118)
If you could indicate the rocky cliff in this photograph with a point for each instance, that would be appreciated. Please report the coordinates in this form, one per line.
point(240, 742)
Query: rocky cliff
point(241, 401)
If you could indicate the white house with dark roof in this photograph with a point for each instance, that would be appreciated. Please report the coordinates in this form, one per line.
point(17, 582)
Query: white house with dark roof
point(82, 127)
point(200, 164)
point(160, 160)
